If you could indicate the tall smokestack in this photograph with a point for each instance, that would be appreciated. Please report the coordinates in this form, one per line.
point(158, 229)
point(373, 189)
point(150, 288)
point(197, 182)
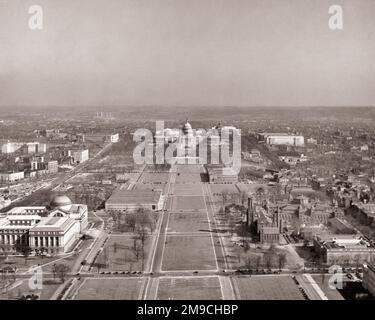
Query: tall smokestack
point(250, 213)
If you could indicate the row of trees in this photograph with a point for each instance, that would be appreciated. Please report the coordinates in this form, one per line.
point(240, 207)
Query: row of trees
point(60, 271)
point(271, 259)
point(140, 237)
point(142, 223)
point(130, 221)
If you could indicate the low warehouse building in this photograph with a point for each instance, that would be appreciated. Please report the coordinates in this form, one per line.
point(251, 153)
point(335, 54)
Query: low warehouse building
point(131, 200)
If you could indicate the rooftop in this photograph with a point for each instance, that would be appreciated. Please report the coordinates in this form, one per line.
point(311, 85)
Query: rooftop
point(134, 197)
point(344, 241)
point(279, 134)
point(53, 224)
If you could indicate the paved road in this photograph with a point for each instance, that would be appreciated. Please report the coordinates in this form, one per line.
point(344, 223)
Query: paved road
point(150, 290)
point(153, 270)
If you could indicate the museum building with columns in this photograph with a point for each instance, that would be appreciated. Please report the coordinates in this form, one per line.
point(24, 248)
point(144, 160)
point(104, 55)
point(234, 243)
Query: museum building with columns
point(54, 228)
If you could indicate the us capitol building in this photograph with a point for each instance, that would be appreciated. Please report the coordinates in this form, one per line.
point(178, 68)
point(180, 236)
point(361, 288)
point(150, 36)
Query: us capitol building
point(55, 227)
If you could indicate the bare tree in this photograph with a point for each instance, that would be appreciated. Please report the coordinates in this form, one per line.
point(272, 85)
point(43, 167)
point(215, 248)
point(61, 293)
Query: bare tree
point(26, 253)
point(54, 271)
point(282, 260)
point(268, 260)
point(137, 248)
point(116, 217)
point(131, 221)
point(142, 235)
point(258, 261)
point(248, 263)
point(62, 270)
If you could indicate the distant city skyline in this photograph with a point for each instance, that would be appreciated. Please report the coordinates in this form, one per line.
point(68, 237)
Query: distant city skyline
point(187, 53)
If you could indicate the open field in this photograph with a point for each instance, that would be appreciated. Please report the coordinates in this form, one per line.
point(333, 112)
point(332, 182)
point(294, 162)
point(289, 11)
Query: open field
point(156, 177)
point(188, 222)
point(110, 289)
point(119, 254)
point(267, 288)
point(192, 288)
point(188, 177)
point(188, 189)
point(322, 282)
point(188, 203)
point(150, 186)
point(189, 168)
point(189, 252)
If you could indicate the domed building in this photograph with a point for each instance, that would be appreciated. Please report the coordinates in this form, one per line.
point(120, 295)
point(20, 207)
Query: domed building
point(187, 144)
point(61, 202)
point(187, 129)
point(54, 228)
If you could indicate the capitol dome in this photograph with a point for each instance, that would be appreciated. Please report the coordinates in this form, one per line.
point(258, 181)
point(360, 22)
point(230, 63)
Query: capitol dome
point(187, 128)
point(61, 202)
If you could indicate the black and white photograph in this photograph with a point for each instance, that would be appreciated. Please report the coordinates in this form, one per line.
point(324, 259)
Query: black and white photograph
point(206, 151)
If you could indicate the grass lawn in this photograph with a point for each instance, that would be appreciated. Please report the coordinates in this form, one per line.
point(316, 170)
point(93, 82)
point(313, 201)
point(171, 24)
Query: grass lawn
point(161, 177)
point(191, 252)
point(267, 288)
point(192, 288)
point(188, 203)
point(188, 177)
point(189, 168)
point(188, 189)
point(23, 264)
point(188, 222)
point(150, 186)
point(110, 289)
point(121, 257)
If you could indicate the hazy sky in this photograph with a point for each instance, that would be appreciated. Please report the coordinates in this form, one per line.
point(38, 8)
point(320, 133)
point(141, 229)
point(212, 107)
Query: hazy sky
point(187, 52)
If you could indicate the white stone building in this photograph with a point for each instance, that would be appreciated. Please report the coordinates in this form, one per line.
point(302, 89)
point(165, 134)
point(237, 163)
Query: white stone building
point(54, 228)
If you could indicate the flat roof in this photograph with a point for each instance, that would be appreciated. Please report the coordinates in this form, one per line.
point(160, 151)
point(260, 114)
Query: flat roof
point(344, 241)
point(279, 134)
point(23, 210)
point(53, 224)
